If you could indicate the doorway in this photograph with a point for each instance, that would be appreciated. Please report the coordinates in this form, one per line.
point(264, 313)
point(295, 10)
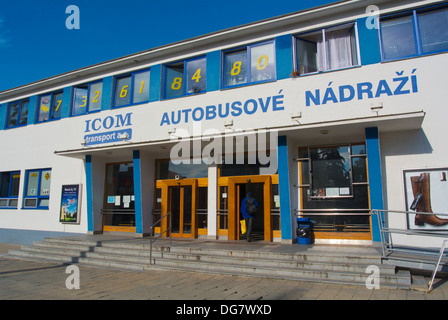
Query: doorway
point(260, 186)
point(256, 189)
point(179, 198)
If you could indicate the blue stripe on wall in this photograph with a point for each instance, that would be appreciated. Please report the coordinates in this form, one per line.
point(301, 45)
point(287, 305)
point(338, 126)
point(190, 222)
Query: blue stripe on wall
point(213, 70)
point(3, 110)
point(369, 42)
point(155, 82)
point(137, 192)
point(284, 188)
point(89, 190)
point(66, 102)
point(375, 177)
point(106, 96)
point(283, 56)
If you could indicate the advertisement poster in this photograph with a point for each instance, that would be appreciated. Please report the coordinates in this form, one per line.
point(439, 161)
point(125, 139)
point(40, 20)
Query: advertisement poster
point(427, 191)
point(70, 204)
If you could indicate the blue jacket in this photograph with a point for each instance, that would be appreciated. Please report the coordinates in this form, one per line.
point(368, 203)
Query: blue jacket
point(243, 208)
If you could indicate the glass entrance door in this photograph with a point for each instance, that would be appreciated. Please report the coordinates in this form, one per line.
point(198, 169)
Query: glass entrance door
point(179, 200)
point(181, 210)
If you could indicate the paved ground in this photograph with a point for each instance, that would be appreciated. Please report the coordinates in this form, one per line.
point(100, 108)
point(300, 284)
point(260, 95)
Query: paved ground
point(29, 280)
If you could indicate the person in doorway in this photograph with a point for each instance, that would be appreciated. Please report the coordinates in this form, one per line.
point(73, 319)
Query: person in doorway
point(249, 209)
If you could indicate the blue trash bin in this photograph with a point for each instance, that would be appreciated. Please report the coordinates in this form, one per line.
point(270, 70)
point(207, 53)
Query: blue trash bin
point(303, 231)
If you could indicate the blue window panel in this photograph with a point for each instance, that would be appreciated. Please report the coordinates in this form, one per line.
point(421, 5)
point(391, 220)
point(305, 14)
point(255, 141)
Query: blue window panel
point(398, 38)
point(433, 28)
point(3, 108)
point(65, 107)
point(155, 83)
point(106, 95)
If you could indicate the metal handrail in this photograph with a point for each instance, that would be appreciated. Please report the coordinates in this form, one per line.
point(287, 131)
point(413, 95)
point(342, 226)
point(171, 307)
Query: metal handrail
point(154, 239)
point(387, 246)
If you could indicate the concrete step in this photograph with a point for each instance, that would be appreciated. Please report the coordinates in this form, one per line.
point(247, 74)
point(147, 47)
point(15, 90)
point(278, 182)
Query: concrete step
point(322, 265)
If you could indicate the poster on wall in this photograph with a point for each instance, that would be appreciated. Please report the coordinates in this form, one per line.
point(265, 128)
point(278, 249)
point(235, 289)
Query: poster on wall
point(426, 190)
point(70, 207)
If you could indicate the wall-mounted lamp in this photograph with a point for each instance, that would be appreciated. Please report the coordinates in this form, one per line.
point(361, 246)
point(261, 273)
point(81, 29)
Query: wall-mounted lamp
point(83, 142)
point(296, 116)
point(228, 124)
point(376, 107)
point(171, 131)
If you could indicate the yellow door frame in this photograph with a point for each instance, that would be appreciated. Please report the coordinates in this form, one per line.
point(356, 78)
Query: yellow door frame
point(165, 185)
point(233, 214)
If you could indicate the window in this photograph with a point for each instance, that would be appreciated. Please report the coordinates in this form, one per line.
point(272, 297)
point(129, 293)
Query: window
point(87, 98)
point(131, 89)
point(37, 189)
point(49, 107)
point(9, 189)
point(414, 33)
point(251, 64)
point(18, 113)
point(327, 49)
point(185, 78)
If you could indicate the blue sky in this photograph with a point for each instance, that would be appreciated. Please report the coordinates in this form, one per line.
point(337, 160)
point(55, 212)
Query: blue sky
point(35, 43)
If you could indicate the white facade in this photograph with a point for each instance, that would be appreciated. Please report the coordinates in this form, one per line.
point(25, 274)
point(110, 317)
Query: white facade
point(403, 99)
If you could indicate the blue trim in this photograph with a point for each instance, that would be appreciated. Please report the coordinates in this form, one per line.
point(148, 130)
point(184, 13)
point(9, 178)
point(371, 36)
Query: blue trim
point(87, 110)
point(32, 110)
point(51, 111)
point(155, 83)
point(283, 56)
point(138, 192)
point(284, 188)
point(3, 113)
point(89, 194)
point(369, 43)
point(213, 70)
point(375, 177)
point(66, 99)
point(106, 94)
point(38, 196)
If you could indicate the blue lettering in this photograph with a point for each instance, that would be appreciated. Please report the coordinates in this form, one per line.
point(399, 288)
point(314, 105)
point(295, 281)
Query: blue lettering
point(165, 119)
point(383, 87)
point(173, 121)
point(201, 114)
point(87, 126)
point(186, 111)
point(403, 81)
point(351, 94)
point(93, 124)
point(111, 122)
point(276, 102)
point(364, 87)
point(210, 112)
point(315, 98)
point(220, 113)
point(264, 106)
point(236, 109)
point(329, 95)
point(246, 109)
point(123, 122)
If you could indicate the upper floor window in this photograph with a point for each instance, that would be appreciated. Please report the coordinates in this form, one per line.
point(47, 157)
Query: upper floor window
point(87, 98)
point(131, 89)
point(414, 33)
point(9, 189)
point(250, 64)
point(18, 113)
point(49, 107)
point(185, 78)
point(326, 49)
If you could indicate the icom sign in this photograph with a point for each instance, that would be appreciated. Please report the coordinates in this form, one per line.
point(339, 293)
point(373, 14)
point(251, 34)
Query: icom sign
point(108, 129)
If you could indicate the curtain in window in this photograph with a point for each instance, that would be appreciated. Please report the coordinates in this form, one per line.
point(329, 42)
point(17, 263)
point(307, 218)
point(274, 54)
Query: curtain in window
point(339, 53)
